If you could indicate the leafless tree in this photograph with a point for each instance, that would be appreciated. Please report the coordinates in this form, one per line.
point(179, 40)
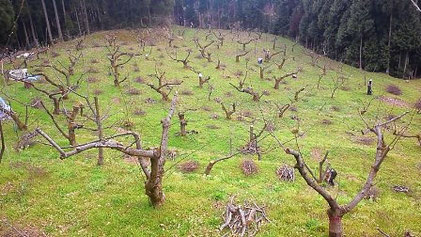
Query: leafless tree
point(228, 112)
point(116, 58)
point(278, 80)
point(185, 61)
point(269, 55)
point(323, 73)
point(58, 91)
point(154, 171)
point(202, 49)
point(337, 211)
point(242, 54)
point(338, 82)
point(71, 123)
point(220, 37)
point(245, 43)
point(163, 88)
point(66, 71)
point(282, 109)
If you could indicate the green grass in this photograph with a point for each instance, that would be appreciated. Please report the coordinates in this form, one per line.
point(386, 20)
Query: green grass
point(74, 197)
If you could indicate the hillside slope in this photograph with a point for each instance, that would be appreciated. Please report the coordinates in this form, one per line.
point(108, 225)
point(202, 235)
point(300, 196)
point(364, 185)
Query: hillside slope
point(39, 193)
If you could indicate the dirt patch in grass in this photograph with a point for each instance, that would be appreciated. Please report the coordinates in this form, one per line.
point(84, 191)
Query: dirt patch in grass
point(94, 61)
point(188, 166)
point(326, 122)
point(187, 92)
point(8, 229)
point(116, 100)
point(394, 90)
point(33, 171)
point(417, 104)
point(139, 112)
point(316, 153)
point(139, 80)
point(393, 101)
point(92, 70)
point(336, 108)
point(249, 167)
point(98, 92)
point(150, 101)
point(213, 126)
point(133, 91)
point(364, 140)
point(206, 108)
point(92, 80)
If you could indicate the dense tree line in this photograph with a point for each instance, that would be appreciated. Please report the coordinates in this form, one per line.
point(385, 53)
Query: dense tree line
point(375, 35)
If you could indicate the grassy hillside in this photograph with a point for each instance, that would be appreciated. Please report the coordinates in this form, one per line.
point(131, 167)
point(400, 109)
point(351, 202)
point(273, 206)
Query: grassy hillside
point(39, 193)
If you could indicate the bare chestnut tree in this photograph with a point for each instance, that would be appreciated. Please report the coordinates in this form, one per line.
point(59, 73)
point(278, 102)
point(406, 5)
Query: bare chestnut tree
point(163, 88)
point(245, 43)
point(202, 49)
point(228, 112)
point(151, 161)
point(278, 80)
point(338, 82)
point(117, 58)
point(66, 71)
point(185, 61)
point(241, 54)
point(337, 211)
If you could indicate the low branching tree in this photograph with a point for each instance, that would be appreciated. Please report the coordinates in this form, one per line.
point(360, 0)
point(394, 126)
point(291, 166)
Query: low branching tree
point(202, 49)
point(66, 71)
point(228, 112)
point(245, 43)
point(117, 58)
point(163, 88)
point(185, 61)
point(282, 109)
point(336, 211)
point(338, 82)
point(151, 161)
point(241, 54)
point(278, 80)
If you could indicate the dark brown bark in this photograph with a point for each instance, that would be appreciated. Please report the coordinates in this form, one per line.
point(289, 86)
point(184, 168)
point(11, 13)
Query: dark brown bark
point(47, 21)
point(34, 36)
point(60, 34)
point(85, 18)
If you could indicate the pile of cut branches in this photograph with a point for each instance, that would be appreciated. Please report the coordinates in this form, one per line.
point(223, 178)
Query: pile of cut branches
point(243, 220)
